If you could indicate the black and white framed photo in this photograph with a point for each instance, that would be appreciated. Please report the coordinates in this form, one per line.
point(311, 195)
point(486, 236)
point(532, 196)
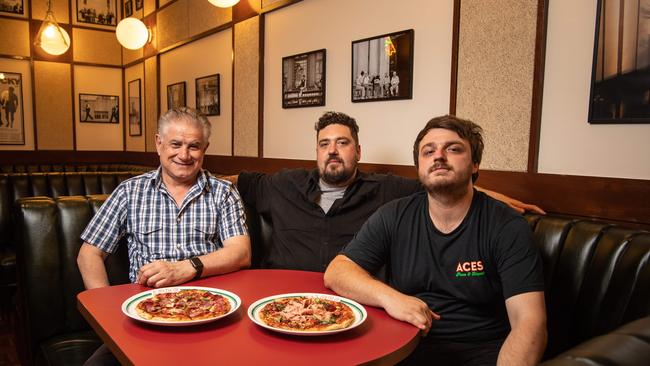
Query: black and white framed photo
point(207, 95)
point(135, 108)
point(98, 108)
point(303, 80)
point(128, 8)
point(101, 12)
point(620, 87)
point(139, 4)
point(176, 95)
point(12, 124)
point(12, 7)
point(382, 67)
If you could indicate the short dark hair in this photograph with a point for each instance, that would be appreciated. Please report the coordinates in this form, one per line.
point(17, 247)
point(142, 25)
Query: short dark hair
point(466, 129)
point(338, 118)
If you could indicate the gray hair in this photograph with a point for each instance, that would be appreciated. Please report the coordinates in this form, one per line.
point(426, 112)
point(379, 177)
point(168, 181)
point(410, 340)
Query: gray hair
point(188, 114)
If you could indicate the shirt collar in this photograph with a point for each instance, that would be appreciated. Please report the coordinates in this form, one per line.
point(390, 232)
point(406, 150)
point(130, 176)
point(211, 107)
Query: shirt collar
point(201, 179)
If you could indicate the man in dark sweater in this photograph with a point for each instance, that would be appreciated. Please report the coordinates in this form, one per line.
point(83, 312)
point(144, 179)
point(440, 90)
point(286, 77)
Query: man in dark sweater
point(462, 266)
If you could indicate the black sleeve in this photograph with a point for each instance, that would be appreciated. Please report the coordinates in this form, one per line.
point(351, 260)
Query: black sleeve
point(370, 247)
point(251, 187)
point(518, 259)
point(398, 187)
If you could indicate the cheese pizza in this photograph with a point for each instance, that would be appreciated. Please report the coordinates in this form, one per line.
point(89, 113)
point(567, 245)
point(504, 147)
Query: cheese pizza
point(302, 313)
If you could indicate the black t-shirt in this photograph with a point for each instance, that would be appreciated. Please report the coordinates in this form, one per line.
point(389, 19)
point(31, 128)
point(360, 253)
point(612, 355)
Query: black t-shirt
point(304, 236)
point(466, 275)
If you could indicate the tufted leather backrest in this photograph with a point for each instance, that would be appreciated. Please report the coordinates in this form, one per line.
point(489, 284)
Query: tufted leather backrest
point(597, 277)
point(48, 277)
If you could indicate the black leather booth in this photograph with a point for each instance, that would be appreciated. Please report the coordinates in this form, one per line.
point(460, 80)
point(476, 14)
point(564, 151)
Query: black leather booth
point(71, 168)
point(597, 284)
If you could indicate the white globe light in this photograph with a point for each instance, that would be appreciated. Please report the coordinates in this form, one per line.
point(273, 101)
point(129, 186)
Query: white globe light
point(132, 33)
point(54, 40)
point(223, 3)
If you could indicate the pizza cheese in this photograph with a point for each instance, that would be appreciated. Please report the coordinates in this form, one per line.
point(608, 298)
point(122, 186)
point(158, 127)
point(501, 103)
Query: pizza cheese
point(301, 313)
point(183, 305)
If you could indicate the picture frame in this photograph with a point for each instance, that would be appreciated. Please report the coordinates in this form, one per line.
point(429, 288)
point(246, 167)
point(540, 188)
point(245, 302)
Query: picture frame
point(176, 96)
point(382, 67)
point(128, 8)
point(99, 108)
point(100, 12)
point(139, 4)
point(620, 92)
point(12, 7)
point(135, 108)
point(208, 99)
point(12, 126)
point(304, 79)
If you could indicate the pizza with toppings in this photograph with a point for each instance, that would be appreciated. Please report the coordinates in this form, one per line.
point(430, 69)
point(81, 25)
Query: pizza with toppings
point(303, 313)
point(183, 305)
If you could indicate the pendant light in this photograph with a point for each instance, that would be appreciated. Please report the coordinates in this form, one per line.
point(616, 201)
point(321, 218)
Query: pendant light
point(223, 3)
point(132, 33)
point(51, 37)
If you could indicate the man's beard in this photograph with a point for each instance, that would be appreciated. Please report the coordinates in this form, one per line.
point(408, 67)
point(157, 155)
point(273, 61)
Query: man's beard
point(451, 188)
point(337, 177)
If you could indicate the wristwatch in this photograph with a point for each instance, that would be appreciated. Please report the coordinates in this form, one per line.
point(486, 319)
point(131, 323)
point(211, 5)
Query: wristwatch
point(198, 266)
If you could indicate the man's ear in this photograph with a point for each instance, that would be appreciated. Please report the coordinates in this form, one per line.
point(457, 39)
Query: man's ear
point(158, 143)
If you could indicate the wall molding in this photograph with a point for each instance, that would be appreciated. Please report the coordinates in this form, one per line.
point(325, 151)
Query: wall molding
point(614, 199)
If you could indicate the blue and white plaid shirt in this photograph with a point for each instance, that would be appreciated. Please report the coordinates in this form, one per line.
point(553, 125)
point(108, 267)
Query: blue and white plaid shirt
point(144, 211)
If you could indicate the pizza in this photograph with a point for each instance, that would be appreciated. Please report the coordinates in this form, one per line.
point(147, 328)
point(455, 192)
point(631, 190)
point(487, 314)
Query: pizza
point(302, 313)
point(183, 305)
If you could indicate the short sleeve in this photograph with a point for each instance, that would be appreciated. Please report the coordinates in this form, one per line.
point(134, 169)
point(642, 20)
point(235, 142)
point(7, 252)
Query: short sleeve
point(108, 225)
point(370, 247)
point(231, 212)
point(518, 259)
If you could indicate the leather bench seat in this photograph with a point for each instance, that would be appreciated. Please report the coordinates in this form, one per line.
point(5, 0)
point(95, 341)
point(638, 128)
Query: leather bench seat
point(83, 167)
point(597, 278)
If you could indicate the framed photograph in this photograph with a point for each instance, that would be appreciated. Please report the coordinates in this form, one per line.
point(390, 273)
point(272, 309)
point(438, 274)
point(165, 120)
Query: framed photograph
point(135, 108)
point(102, 12)
point(382, 67)
point(620, 91)
point(176, 95)
point(207, 95)
point(13, 7)
point(303, 80)
point(97, 108)
point(128, 8)
point(12, 124)
point(139, 4)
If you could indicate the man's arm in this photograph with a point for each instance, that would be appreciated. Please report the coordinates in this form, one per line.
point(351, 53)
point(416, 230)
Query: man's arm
point(527, 339)
point(235, 255)
point(91, 265)
point(348, 279)
point(517, 205)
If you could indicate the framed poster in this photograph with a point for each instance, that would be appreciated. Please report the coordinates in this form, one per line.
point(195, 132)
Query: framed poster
point(12, 124)
point(176, 95)
point(12, 7)
point(128, 8)
point(97, 108)
point(207, 95)
point(135, 108)
point(102, 12)
point(382, 67)
point(139, 4)
point(303, 80)
point(620, 78)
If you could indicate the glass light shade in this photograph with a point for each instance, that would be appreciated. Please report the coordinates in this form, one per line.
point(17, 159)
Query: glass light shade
point(54, 39)
point(132, 33)
point(223, 3)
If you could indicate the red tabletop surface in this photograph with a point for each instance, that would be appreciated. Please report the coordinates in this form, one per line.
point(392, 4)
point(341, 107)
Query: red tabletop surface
point(236, 340)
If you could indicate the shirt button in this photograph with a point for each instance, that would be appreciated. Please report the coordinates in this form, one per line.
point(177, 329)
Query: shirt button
point(178, 220)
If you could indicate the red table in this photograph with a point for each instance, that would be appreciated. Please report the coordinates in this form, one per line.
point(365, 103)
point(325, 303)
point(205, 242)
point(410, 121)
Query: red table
point(236, 340)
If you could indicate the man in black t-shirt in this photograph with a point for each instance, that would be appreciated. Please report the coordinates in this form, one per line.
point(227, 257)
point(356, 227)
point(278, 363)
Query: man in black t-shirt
point(461, 266)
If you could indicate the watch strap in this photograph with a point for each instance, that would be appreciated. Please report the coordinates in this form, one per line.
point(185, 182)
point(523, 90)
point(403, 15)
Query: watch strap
point(198, 266)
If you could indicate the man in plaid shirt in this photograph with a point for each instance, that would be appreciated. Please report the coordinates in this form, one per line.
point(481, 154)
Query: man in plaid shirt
point(180, 223)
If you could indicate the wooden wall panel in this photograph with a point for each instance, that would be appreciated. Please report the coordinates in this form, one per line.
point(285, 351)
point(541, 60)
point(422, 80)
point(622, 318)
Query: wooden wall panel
point(18, 43)
point(246, 88)
point(53, 94)
point(150, 102)
point(205, 16)
point(172, 24)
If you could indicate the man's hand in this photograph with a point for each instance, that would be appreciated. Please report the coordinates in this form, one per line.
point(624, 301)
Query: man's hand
point(163, 273)
point(412, 310)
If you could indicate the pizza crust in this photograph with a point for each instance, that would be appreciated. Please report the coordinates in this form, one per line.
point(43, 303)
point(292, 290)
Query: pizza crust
point(193, 301)
point(307, 314)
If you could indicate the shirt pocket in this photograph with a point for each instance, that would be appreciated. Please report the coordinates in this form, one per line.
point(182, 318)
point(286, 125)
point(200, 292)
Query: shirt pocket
point(205, 235)
point(150, 243)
